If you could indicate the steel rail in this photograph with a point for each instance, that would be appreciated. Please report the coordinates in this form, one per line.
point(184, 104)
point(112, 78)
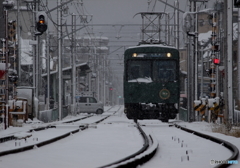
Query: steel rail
point(11, 137)
point(230, 146)
point(133, 160)
point(46, 142)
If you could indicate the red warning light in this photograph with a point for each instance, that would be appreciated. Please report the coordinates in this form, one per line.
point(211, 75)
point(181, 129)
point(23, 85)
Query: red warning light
point(216, 61)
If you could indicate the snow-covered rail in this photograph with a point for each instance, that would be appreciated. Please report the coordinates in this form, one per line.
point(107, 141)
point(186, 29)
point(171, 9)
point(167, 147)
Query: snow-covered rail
point(63, 133)
point(143, 155)
point(231, 147)
point(12, 137)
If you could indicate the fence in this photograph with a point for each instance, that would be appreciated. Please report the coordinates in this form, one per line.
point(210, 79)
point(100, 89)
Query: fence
point(53, 114)
point(183, 115)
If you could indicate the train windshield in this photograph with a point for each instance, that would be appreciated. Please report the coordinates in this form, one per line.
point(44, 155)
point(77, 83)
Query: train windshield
point(139, 70)
point(151, 71)
point(164, 71)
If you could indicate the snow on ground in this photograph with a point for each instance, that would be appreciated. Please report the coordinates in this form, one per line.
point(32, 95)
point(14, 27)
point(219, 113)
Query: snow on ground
point(97, 146)
point(91, 148)
point(113, 139)
point(206, 128)
point(178, 148)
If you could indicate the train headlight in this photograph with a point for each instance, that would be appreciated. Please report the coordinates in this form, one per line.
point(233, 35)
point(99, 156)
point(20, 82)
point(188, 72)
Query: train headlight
point(164, 94)
point(169, 54)
point(134, 55)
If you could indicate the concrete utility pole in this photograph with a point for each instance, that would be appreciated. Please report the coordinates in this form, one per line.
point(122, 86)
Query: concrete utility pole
point(48, 70)
point(230, 110)
point(73, 59)
point(238, 65)
point(48, 65)
point(6, 68)
point(176, 4)
point(37, 55)
point(196, 53)
point(60, 60)
point(18, 41)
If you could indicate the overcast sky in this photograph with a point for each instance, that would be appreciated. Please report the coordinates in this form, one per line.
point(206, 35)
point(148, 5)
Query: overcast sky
point(122, 11)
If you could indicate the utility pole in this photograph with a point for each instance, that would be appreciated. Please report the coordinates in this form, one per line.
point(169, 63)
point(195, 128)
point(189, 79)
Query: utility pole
point(196, 53)
point(60, 60)
point(190, 74)
point(18, 41)
point(230, 110)
point(104, 80)
point(6, 68)
point(36, 56)
point(60, 37)
point(73, 59)
point(238, 65)
point(176, 25)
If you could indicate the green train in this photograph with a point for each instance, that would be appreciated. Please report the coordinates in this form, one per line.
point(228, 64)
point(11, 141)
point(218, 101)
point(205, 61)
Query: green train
point(151, 82)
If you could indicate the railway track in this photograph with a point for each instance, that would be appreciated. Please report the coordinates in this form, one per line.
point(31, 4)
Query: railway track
point(138, 156)
point(148, 150)
point(185, 148)
point(75, 126)
point(228, 145)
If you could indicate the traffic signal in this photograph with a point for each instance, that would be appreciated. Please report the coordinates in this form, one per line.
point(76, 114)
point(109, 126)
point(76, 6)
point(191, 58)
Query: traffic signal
point(216, 61)
point(237, 3)
point(41, 24)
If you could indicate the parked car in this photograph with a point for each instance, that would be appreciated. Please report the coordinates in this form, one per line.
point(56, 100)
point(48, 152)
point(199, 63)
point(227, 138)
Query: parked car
point(89, 105)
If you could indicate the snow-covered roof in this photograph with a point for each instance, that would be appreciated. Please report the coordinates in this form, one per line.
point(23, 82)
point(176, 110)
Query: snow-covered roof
point(204, 37)
point(66, 68)
point(151, 45)
point(103, 48)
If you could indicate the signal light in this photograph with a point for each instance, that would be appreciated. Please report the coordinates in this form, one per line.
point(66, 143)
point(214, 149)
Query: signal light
point(41, 23)
point(216, 61)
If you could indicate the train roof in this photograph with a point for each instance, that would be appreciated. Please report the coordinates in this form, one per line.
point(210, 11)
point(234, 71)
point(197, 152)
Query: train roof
point(152, 45)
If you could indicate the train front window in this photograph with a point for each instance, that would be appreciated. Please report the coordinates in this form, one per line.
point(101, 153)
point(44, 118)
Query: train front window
point(164, 70)
point(139, 70)
point(151, 71)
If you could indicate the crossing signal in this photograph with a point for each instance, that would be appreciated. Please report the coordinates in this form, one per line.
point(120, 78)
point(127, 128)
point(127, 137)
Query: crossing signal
point(216, 61)
point(41, 24)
